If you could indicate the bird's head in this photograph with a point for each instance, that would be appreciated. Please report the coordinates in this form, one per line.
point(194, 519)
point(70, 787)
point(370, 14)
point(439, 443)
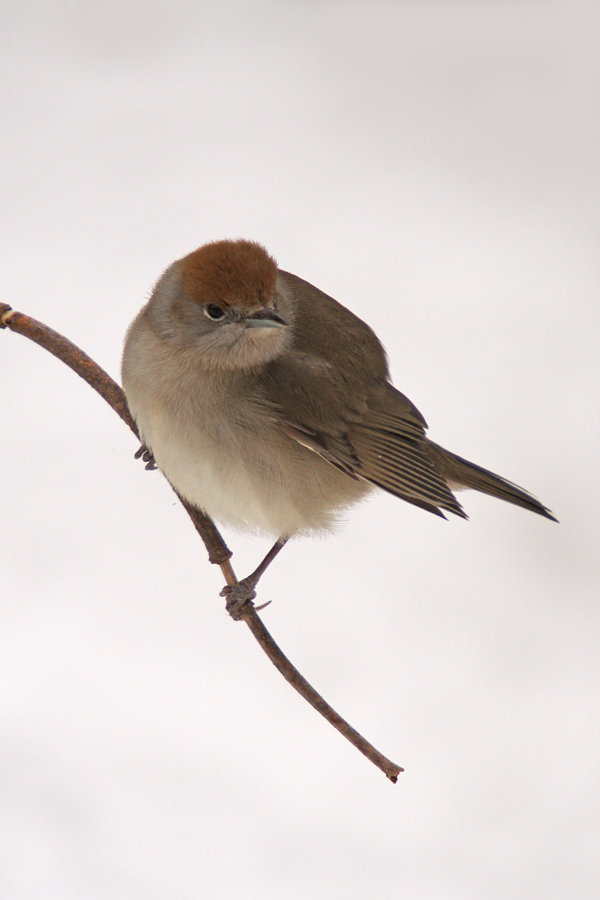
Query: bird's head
point(222, 301)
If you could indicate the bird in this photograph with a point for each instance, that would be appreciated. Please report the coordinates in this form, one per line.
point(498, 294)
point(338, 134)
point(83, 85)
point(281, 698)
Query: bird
point(269, 406)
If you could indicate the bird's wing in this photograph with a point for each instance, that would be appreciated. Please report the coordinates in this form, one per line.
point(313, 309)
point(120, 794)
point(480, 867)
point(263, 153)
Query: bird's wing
point(365, 428)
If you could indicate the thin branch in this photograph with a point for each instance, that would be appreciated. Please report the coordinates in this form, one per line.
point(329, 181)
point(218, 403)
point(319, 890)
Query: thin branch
point(218, 552)
point(291, 674)
point(72, 356)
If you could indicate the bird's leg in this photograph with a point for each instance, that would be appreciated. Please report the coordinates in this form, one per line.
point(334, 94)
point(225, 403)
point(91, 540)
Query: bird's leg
point(242, 591)
point(146, 456)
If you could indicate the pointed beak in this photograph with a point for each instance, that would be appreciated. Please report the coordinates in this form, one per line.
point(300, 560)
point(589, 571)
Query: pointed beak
point(264, 318)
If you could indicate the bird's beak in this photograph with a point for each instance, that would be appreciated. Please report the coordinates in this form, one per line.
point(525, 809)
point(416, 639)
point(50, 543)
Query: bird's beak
point(264, 318)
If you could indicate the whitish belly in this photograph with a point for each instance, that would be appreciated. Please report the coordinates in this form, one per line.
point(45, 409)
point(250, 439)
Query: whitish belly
point(261, 482)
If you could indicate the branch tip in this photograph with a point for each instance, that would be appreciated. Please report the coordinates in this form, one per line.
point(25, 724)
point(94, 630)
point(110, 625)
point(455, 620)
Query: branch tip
point(6, 313)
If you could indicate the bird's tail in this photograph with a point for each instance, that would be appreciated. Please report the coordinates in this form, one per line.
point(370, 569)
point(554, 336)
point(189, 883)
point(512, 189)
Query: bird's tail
point(459, 473)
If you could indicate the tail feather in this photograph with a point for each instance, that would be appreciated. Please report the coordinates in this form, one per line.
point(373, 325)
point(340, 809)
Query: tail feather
point(460, 473)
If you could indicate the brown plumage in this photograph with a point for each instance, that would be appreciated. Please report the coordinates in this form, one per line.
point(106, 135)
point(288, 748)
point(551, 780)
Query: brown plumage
point(383, 432)
point(268, 404)
point(236, 273)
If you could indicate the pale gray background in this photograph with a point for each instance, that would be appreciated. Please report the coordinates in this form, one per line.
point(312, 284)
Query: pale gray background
point(434, 166)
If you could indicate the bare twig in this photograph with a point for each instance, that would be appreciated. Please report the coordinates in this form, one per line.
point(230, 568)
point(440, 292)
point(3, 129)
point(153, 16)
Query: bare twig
point(72, 356)
point(291, 674)
point(218, 552)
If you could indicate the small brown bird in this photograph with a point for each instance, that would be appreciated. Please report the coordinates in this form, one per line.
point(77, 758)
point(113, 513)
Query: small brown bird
point(268, 405)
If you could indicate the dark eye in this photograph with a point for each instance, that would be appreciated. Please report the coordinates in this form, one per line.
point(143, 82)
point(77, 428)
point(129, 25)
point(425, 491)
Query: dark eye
point(214, 311)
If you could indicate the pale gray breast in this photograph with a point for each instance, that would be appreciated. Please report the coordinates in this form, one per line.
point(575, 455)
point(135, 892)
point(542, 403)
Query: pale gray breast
point(218, 443)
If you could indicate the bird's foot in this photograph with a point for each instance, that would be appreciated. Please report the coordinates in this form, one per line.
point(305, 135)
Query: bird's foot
point(146, 456)
point(238, 595)
point(242, 592)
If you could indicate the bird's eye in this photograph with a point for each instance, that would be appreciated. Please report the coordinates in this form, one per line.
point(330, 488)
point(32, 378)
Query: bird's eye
point(214, 311)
